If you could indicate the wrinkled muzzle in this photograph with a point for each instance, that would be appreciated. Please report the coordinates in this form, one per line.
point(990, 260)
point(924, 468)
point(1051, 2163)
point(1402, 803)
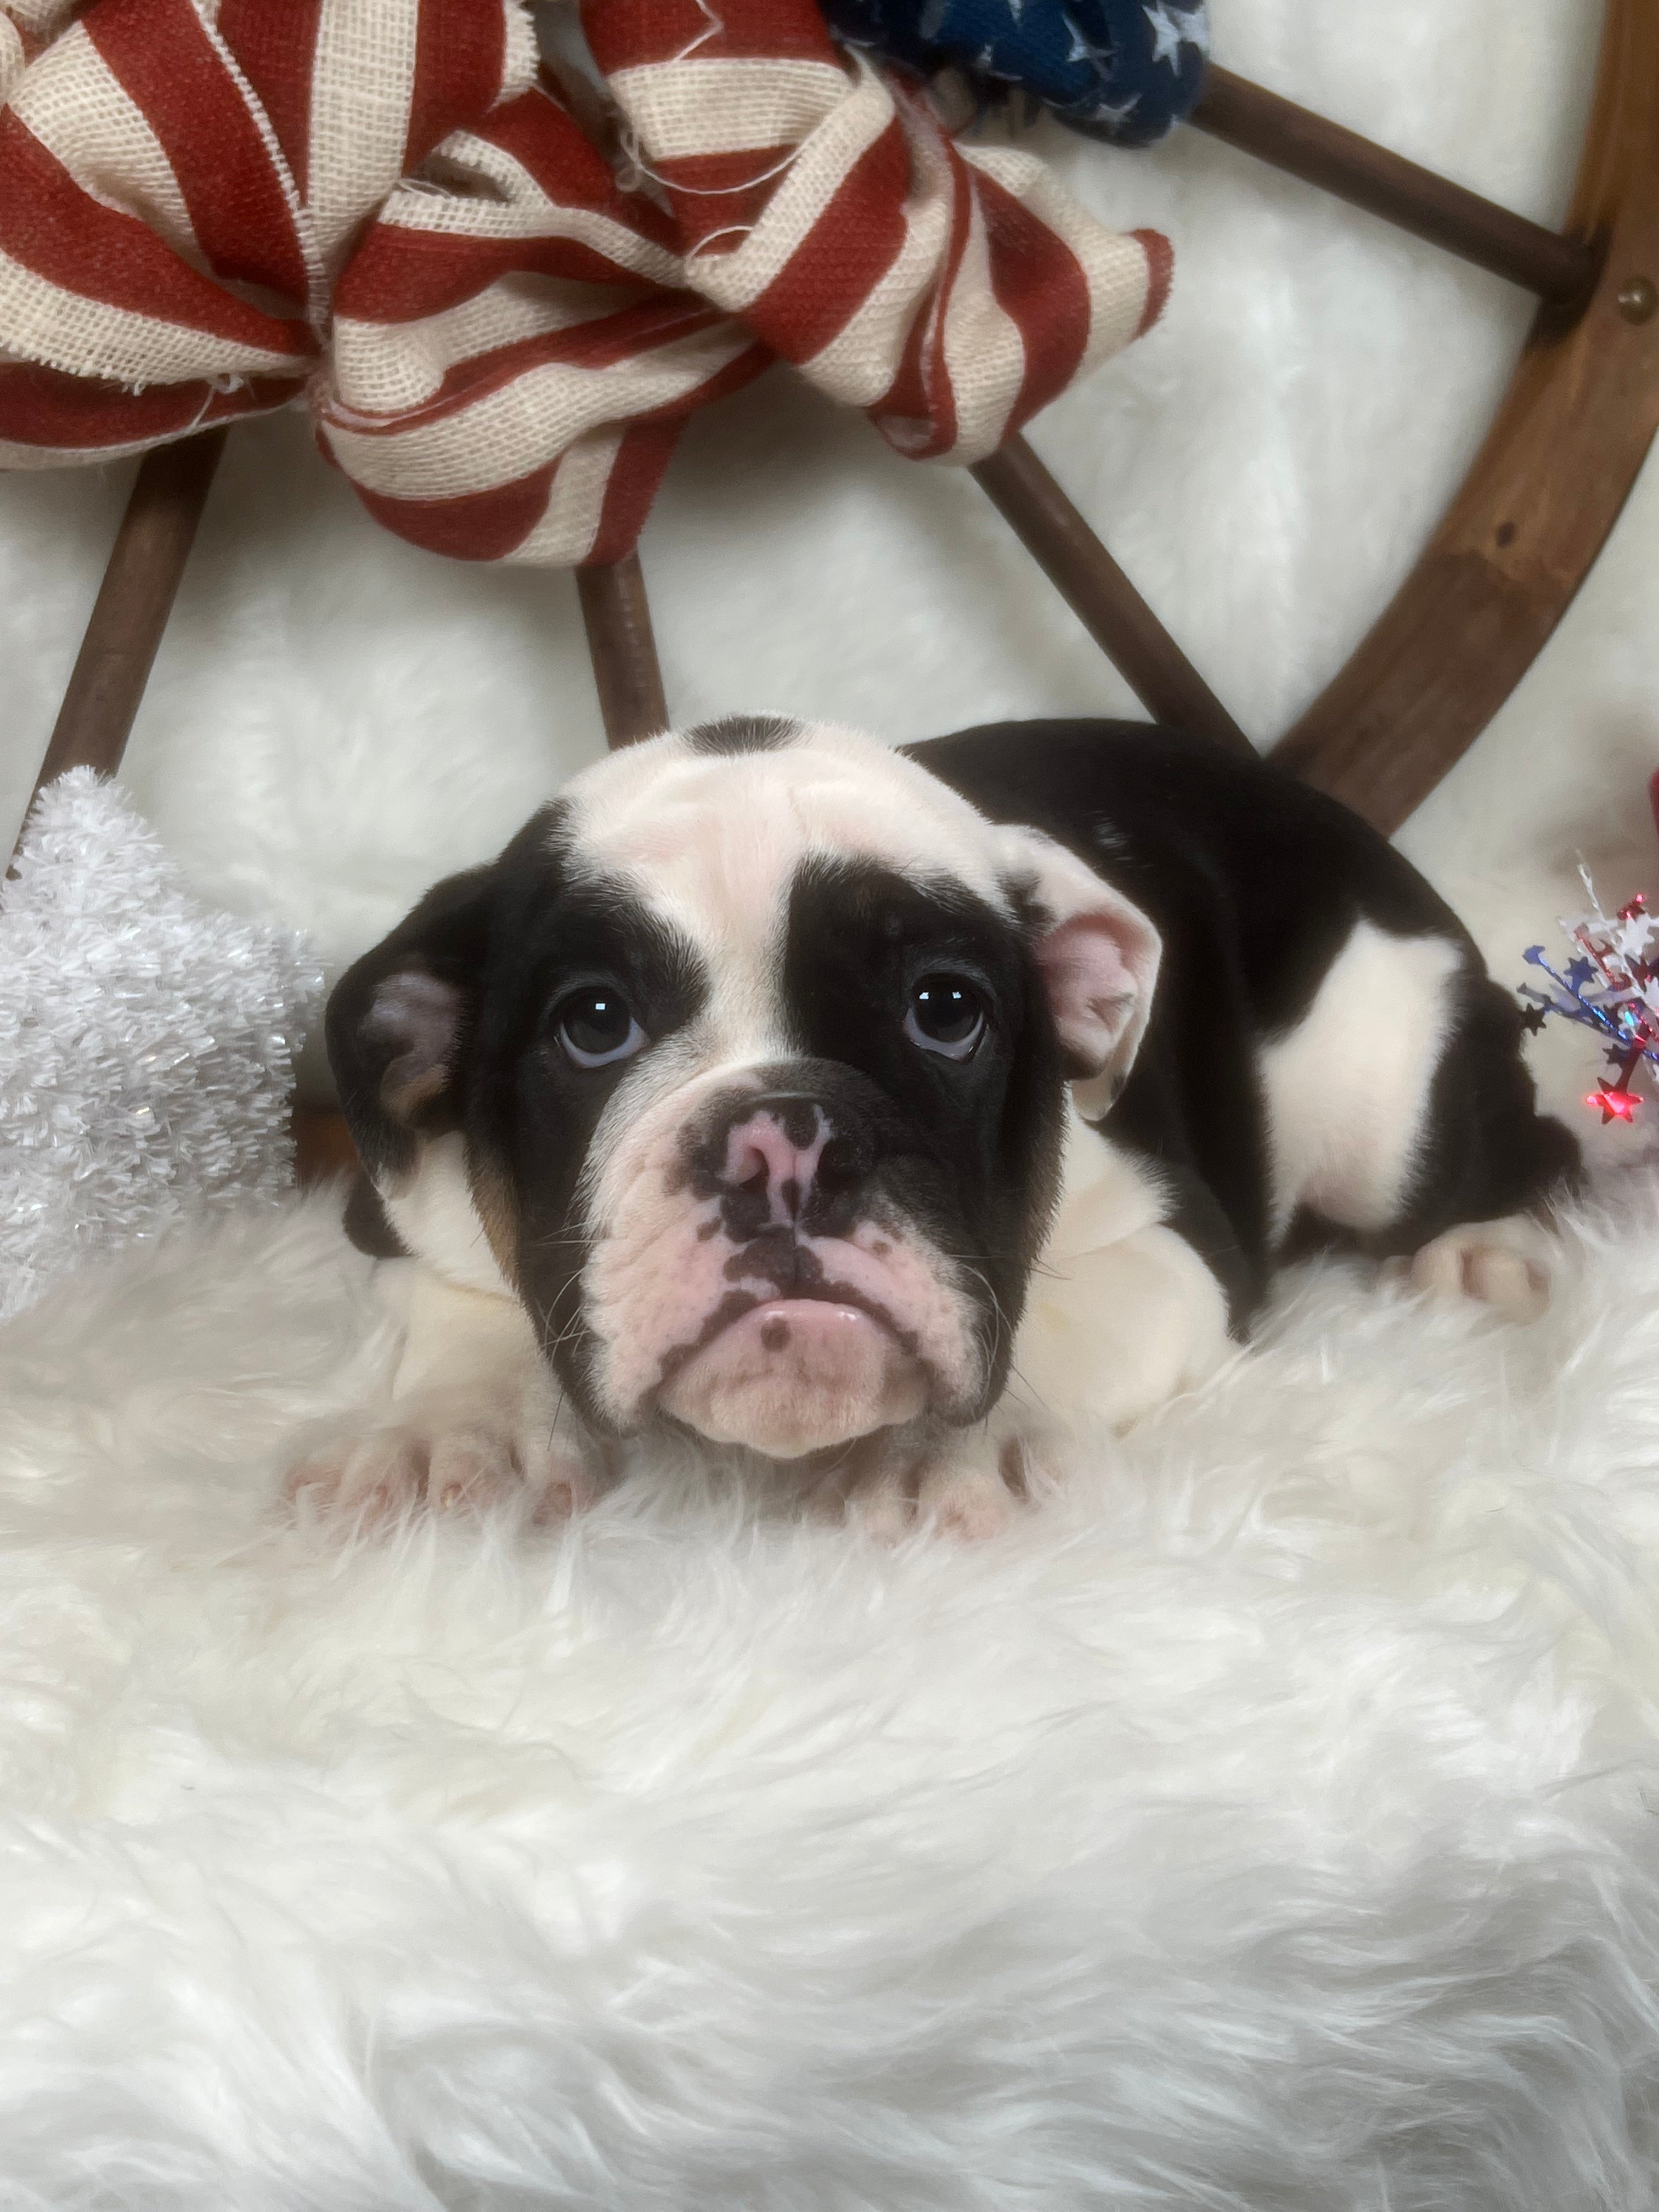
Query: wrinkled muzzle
point(766, 1268)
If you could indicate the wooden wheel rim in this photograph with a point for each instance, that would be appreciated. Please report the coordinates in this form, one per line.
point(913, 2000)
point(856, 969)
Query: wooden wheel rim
point(1525, 526)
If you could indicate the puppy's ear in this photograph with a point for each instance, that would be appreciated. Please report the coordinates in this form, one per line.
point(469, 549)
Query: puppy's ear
point(400, 1021)
point(1098, 956)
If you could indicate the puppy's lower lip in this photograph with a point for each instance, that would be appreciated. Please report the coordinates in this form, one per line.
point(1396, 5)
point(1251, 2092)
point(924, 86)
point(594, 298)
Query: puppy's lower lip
point(773, 1317)
point(789, 1375)
point(774, 1324)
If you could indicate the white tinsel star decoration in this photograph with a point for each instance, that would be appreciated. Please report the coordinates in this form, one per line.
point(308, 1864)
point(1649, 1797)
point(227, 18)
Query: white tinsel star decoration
point(146, 1045)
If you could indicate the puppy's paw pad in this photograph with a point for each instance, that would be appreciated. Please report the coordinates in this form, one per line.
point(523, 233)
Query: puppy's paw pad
point(883, 1509)
point(969, 1490)
point(1507, 1265)
point(1513, 1285)
point(560, 1486)
point(468, 1472)
point(450, 1467)
point(970, 1507)
point(366, 1479)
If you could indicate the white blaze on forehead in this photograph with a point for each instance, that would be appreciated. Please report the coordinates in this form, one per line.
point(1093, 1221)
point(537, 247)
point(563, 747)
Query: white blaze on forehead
point(714, 841)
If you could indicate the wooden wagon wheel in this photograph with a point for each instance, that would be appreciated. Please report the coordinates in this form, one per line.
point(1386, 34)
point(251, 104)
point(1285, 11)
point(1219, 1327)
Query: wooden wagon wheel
point(1519, 537)
point(1523, 529)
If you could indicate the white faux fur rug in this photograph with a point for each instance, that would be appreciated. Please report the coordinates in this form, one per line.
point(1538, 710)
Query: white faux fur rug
point(1269, 1821)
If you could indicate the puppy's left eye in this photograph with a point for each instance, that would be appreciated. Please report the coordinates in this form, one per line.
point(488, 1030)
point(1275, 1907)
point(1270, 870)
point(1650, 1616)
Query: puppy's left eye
point(947, 1016)
point(596, 1025)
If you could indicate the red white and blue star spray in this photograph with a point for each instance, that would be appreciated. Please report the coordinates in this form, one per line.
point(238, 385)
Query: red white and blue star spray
point(1611, 985)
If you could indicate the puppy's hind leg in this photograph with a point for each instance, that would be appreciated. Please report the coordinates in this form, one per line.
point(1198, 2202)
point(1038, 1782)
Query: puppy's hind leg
point(1478, 1223)
point(1404, 1115)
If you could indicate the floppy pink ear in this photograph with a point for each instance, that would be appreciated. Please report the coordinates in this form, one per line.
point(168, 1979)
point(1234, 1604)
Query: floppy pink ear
point(1098, 956)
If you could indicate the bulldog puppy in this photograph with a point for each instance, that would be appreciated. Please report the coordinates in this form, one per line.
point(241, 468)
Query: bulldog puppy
point(882, 1116)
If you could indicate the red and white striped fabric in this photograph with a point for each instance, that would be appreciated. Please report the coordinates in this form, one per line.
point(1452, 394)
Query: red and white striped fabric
point(208, 205)
point(951, 291)
point(182, 181)
point(514, 354)
point(26, 26)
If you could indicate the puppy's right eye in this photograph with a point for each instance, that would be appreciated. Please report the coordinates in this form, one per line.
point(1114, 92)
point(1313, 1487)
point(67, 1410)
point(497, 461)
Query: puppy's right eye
point(596, 1025)
point(946, 1017)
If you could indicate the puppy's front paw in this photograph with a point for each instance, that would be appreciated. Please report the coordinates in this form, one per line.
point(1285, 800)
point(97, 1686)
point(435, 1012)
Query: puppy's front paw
point(1507, 1264)
point(450, 1452)
point(968, 1485)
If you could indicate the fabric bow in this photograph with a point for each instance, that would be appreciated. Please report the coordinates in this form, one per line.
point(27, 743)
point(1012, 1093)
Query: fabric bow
point(206, 210)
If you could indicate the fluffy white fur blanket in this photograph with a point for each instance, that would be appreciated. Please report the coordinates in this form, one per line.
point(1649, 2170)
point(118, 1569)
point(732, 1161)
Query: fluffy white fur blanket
point(1267, 1821)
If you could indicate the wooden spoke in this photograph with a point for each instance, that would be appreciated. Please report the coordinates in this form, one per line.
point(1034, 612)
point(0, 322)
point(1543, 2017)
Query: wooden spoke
point(1562, 270)
point(131, 611)
point(1101, 595)
point(1545, 488)
point(623, 650)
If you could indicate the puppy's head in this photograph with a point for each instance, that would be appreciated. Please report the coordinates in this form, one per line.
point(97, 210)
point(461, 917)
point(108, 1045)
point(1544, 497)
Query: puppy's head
point(743, 1066)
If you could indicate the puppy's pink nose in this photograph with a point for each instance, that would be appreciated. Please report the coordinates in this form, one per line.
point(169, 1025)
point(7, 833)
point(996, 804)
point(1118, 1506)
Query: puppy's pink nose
point(760, 1154)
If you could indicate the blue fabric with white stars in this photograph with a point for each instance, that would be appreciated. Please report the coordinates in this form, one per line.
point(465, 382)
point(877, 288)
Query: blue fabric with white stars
point(1120, 70)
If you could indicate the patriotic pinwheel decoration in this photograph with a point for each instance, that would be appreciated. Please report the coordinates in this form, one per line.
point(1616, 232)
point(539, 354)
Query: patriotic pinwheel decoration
point(1610, 985)
point(384, 210)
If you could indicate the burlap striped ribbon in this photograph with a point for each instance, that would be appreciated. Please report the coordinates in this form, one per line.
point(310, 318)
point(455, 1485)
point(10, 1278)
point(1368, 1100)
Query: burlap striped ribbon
point(211, 207)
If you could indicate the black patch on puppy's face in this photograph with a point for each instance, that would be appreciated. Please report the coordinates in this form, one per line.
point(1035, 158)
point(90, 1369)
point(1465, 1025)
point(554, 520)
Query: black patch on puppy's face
point(531, 1111)
point(743, 733)
point(968, 1149)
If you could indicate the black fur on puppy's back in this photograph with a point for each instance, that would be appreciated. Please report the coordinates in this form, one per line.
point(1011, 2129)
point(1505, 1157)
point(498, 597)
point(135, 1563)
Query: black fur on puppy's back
point(1256, 882)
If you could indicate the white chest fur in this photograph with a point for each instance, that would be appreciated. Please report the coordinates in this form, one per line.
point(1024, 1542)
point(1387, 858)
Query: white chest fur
point(1122, 1313)
point(434, 1215)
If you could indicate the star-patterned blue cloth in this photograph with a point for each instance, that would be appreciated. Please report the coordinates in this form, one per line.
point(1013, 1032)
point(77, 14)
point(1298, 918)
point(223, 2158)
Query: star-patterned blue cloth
point(1122, 69)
